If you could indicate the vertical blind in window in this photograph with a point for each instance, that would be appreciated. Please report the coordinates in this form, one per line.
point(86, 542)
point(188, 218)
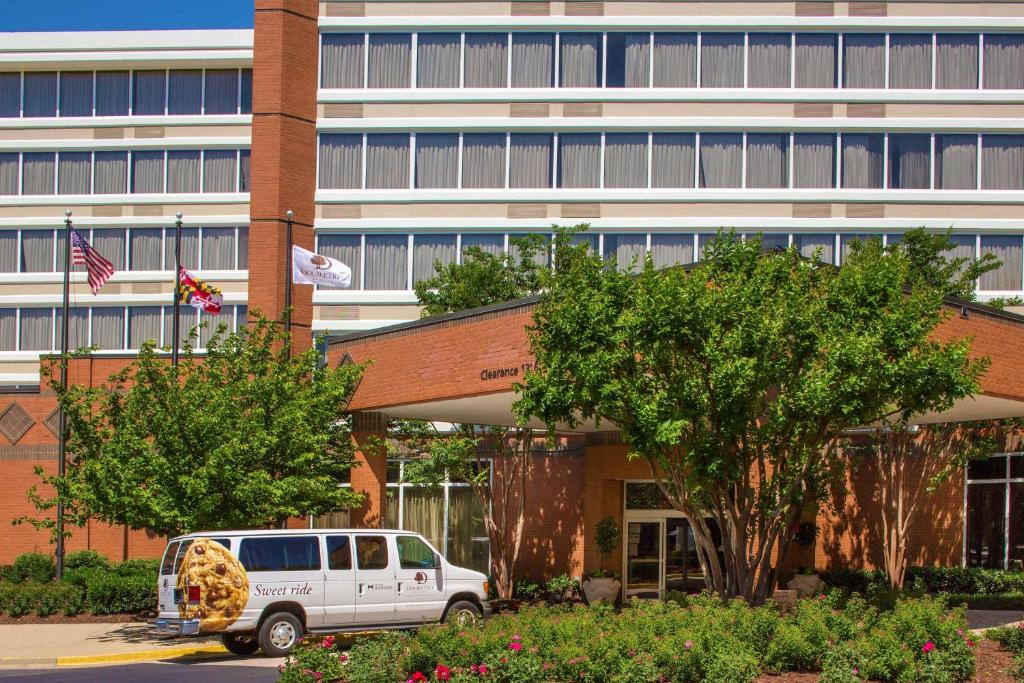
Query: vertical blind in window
point(387, 161)
point(533, 60)
point(186, 321)
point(147, 172)
point(78, 327)
point(108, 328)
point(430, 248)
point(36, 329)
point(671, 250)
point(580, 60)
point(214, 323)
point(40, 94)
point(767, 160)
point(437, 60)
point(672, 160)
point(9, 173)
point(721, 160)
point(189, 249)
point(220, 170)
point(909, 161)
point(910, 60)
point(221, 91)
point(341, 161)
point(483, 160)
point(627, 252)
point(183, 171)
point(814, 160)
point(768, 60)
point(820, 246)
point(1007, 249)
point(143, 325)
point(112, 93)
point(110, 173)
point(10, 95)
point(625, 160)
point(389, 60)
point(1002, 162)
point(76, 93)
point(145, 249)
point(37, 172)
point(863, 60)
point(863, 165)
point(149, 93)
point(185, 92)
point(579, 160)
point(815, 60)
point(8, 251)
point(1004, 61)
point(244, 170)
point(437, 160)
point(36, 251)
point(956, 162)
point(344, 248)
point(956, 61)
point(490, 244)
point(74, 172)
point(243, 248)
point(218, 249)
point(111, 243)
point(628, 60)
point(721, 60)
point(343, 60)
point(387, 262)
point(530, 159)
point(245, 98)
point(8, 329)
point(486, 60)
point(675, 60)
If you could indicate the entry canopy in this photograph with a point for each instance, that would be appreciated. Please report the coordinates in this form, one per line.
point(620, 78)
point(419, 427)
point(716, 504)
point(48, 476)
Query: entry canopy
point(462, 367)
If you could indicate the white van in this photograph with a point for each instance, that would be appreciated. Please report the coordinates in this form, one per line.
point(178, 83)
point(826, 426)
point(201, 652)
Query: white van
point(265, 589)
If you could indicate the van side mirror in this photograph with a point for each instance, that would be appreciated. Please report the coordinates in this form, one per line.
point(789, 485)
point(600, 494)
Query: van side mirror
point(437, 561)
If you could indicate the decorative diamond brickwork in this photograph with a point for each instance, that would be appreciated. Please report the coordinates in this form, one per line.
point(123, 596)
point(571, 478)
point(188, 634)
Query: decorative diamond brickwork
point(14, 422)
point(53, 422)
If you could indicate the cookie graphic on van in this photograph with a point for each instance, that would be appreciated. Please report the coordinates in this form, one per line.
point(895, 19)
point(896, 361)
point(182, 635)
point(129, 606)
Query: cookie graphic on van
point(223, 586)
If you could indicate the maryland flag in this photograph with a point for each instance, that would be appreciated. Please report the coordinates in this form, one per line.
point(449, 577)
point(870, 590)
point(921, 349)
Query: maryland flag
point(198, 294)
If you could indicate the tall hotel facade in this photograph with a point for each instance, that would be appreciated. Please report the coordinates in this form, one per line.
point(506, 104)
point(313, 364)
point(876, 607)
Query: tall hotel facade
point(402, 132)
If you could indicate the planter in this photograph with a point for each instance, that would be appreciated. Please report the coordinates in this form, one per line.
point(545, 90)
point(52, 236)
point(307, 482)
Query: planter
point(605, 590)
point(807, 585)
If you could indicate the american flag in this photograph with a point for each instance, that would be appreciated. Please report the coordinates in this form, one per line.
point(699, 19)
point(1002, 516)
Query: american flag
point(82, 253)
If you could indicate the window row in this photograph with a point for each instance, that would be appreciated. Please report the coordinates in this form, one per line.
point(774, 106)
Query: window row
point(133, 249)
point(995, 513)
point(671, 160)
point(110, 328)
point(182, 92)
point(137, 172)
point(393, 261)
point(672, 60)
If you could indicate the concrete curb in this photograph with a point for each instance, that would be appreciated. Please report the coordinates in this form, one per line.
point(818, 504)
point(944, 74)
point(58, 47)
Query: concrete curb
point(115, 658)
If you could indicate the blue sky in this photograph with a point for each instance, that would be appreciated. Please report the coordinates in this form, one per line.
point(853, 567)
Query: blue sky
point(116, 15)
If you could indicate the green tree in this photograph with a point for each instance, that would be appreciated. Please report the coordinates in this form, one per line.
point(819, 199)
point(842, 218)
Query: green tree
point(932, 266)
point(735, 379)
point(247, 435)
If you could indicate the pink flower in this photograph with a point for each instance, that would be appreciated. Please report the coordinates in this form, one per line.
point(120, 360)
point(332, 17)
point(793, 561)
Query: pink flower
point(515, 647)
point(483, 669)
point(928, 647)
point(516, 637)
point(442, 672)
point(960, 632)
point(688, 645)
point(970, 643)
point(328, 642)
point(474, 669)
point(856, 671)
point(417, 677)
point(546, 666)
point(343, 658)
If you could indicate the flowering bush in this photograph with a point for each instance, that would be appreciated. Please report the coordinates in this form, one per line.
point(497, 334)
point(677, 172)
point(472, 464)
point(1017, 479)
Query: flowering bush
point(704, 641)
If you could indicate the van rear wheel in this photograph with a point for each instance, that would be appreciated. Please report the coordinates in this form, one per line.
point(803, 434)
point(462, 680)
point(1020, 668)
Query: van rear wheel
point(279, 634)
point(240, 643)
point(463, 613)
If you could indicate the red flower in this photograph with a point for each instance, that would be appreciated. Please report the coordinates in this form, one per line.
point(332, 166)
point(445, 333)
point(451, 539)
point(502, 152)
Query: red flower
point(928, 647)
point(970, 643)
point(482, 669)
point(328, 642)
point(418, 677)
point(442, 672)
point(515, 647)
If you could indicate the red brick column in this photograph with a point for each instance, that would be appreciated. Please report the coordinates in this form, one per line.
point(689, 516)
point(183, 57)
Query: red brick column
point(369, 476)
point(283, 153)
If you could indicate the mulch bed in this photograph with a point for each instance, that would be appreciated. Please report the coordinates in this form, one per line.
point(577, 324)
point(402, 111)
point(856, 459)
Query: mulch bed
point(80, 619)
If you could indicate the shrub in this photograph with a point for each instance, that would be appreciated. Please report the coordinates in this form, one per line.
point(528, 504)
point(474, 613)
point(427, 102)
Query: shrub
point(31, 567)
point(1010, 637)
point(1006, 601)
point(20, 599)
point(1017, 669)
point(526, 590)
point(318, 656)
point(563, 586)
point(65, 598)
point(731, 664)
point(107, 593)
point(148, 567)
point(84, 559)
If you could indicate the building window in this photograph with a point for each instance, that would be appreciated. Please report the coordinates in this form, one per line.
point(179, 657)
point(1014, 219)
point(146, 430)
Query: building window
point(721, 56)
point(675, 60)
point(1004, 61)
point(221, 91)
point(580, 60)
point(864, 60)
point(956, 162)
point(149, 93)
point(909, 161)
point(533, 60)
point(112, 93)
point(437, 60)
point(448, 516)
point(995, 505)
point(863, 164)
point(431, 249)
point(387, 262)
point(767, 160)
point(344, 248)
point(579, 160)
point(342, 60)
point(815, 60)
point(721, 160)
point(437, 160)
point(10, 95)
point(910, 60)
point(389, 60)
point(768, 60)
point(40, 94)
point(486, 60)
point(628, 60)
point(1008, 277)
point(76, 93)
point(185, 92)
point(625, 160)
point(1002, 162)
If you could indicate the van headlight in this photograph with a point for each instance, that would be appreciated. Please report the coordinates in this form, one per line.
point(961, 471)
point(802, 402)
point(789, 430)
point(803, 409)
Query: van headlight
point(487, 589)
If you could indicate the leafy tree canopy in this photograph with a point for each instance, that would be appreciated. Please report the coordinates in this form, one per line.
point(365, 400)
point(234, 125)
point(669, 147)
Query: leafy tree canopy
point(932, 265)
point(247, 435)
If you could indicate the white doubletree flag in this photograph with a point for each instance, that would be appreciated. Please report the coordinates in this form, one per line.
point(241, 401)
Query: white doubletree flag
point(313, 269)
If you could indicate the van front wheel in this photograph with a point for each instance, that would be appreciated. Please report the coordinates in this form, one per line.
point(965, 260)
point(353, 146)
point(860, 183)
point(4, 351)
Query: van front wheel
point(239, 643)
point(279, 634)
point(463, 613)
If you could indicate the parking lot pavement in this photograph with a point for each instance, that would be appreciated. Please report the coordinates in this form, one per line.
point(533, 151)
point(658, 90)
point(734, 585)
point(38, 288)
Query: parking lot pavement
point(220, 670)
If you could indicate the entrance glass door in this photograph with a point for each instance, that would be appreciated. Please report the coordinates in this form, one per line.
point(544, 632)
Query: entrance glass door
point(643, 559)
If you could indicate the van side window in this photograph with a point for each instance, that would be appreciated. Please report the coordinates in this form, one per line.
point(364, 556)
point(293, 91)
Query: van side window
point(182, 549)
point(280, 553)
point(372, 552)
point(339, 553)
point(414, 553)
point(226, 542)
point(167, 565)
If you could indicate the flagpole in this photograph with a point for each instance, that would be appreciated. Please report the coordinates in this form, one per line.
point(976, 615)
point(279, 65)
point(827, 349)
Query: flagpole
point(288, 275)
point(175, 332)
point(62, 443)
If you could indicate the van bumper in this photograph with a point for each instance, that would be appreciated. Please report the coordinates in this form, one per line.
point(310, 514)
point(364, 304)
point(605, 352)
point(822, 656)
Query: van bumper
point(182, 627)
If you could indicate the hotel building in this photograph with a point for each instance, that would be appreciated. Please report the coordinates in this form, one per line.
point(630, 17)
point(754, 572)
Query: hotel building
point(402, 132)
